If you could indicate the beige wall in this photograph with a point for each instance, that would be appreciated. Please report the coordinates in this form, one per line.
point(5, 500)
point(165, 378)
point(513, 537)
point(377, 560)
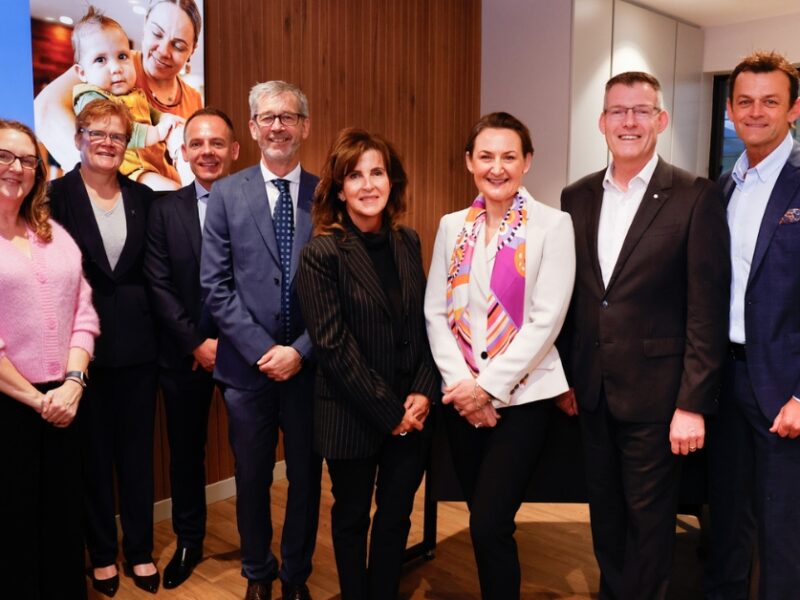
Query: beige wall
point(726, 45)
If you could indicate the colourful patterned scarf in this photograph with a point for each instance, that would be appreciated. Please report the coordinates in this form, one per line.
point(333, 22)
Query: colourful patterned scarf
point(506, 302)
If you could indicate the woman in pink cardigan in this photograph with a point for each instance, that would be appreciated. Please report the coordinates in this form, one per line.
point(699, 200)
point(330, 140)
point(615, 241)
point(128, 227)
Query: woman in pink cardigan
point(47, 331)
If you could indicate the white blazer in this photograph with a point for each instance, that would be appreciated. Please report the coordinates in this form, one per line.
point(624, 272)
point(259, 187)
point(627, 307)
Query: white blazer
point(549, 278)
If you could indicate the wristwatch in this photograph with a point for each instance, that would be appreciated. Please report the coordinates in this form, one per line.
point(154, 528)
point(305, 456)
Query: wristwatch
point(78, 377)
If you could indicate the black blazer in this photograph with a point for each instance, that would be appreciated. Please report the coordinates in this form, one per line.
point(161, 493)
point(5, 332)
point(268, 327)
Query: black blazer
point(172, 269)
point(127, 336)
point(655, 338)
point(356, 400)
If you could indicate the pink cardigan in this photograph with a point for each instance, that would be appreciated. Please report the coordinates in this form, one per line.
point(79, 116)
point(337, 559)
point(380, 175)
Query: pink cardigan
point(45, 306)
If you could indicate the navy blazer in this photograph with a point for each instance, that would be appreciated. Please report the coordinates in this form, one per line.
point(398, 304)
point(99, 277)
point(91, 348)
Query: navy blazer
point(127, 334)
point(772, 297)
point(172, 268)
point(240, 272)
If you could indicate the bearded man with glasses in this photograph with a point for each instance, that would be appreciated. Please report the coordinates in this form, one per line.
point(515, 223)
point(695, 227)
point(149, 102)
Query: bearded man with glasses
point(646, 335)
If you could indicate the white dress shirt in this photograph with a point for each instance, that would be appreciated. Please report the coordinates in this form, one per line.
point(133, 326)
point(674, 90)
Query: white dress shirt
point(616, 214)
point(745, 213)
point(293, 177)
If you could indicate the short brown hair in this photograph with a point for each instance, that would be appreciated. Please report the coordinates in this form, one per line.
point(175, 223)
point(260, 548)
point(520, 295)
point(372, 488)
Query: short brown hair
point(210, 111)
point(187, 6)
point(35, 208)
point(93, 18)
point(103, 109)
point(761, 61)
point(631, 78)
point(327, 214)
point(500, 120)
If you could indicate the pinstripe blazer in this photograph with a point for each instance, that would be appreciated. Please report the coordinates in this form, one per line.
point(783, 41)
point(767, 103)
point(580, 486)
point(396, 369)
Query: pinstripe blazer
point(357, 402)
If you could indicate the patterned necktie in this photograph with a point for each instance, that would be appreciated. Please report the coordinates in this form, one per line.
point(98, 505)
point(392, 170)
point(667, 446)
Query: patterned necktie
point(283, 221)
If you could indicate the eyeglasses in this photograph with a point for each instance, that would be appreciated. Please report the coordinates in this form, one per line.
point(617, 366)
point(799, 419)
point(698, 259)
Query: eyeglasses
point(96, 136)
point(26, 162)
point(641, 112)
point(287, 119)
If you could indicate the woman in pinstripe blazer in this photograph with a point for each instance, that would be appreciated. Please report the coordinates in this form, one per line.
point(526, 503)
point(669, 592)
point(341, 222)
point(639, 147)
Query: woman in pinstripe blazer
point(361, 287)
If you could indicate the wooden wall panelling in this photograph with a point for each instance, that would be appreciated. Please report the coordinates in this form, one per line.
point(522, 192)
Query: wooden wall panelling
point(409, 69)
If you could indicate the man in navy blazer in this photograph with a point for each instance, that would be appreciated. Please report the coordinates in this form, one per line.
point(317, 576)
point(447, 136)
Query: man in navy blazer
point(263, 357)
point(754, 452)
point(187, 335)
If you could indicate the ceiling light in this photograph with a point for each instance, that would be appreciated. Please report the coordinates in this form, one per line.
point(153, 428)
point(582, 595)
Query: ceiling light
point(66, 20)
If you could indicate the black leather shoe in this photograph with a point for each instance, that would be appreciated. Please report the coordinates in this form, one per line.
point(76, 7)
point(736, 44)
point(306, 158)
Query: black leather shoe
point(107, 587)
point(148, 583)
point(258, 590)
point(181, 566)
point(295, 591)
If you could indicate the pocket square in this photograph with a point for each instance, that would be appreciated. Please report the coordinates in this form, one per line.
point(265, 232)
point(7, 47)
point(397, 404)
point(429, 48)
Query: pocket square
point(790, 216)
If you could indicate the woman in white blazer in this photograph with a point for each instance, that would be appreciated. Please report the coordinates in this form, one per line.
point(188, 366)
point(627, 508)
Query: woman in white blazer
point(498, 291)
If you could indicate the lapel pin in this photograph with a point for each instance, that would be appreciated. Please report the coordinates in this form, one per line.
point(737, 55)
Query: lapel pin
point(655, 196)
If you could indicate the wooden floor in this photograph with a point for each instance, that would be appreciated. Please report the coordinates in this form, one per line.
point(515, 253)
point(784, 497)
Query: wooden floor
point(554, 546)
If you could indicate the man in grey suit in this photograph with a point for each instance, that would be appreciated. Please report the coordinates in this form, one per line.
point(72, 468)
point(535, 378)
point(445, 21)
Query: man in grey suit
point(257, 222)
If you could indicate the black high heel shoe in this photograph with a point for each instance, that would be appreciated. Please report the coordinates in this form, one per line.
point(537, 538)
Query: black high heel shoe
point(107, 587)
point(148, 583)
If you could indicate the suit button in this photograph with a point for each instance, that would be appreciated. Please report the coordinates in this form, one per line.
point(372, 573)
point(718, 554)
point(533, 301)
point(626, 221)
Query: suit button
point(277, 316)
point(484, 355)
point(277, 281)
point(597, 343)
point(604, 304)
point(405, 342)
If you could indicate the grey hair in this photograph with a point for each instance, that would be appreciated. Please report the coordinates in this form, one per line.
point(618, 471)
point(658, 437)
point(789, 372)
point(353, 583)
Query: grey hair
point(274, 88)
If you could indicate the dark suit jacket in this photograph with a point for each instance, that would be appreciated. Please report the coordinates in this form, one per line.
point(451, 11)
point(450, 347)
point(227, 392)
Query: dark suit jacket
point(172, 268)
point(772, 298)
point(240, 271)
point(357, 402)
point(127, 336)
point(655, 339)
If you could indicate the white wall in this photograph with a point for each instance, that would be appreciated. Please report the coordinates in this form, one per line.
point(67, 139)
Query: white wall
point(525, 69)
point(592, 30)
point(613, 36)
point(547, 62)
point(726, 45)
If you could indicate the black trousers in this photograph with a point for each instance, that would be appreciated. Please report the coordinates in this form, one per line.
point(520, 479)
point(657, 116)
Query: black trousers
point(754, 487)
point(394, 474)
point(187, 398)
point(41, 506)
point(494, 467)
point(254, 417)
point(116, 421)
point(633, 481)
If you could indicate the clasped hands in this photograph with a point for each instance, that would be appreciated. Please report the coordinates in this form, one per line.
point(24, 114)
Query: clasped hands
point(417, 408)
point(60, 405)
point(280, 363)
point(472, 402)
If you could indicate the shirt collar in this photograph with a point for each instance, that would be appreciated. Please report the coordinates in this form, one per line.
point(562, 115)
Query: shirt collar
point(643, 176)
point(200, 192)
point(292, 176)
point(768, 168)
